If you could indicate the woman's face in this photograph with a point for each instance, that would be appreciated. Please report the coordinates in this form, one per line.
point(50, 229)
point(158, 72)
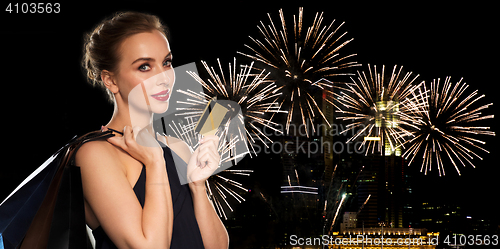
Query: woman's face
point(145, 75)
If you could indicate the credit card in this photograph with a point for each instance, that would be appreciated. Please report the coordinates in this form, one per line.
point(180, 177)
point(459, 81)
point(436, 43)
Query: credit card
point(213, 116)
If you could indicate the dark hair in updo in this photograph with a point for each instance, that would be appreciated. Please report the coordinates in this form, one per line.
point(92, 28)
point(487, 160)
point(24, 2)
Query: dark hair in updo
point(102, 44)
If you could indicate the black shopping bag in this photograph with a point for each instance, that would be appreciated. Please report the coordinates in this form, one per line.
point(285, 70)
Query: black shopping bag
point(47, 209)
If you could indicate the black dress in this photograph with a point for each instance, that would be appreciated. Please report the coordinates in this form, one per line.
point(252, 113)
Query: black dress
point(186, 233)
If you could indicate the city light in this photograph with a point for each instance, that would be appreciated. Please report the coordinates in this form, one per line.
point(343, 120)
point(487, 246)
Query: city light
point(299, 189)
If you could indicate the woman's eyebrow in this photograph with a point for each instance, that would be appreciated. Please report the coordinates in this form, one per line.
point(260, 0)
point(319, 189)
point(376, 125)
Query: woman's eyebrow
point(143, 59)
point(149, 58)
point(168, 55)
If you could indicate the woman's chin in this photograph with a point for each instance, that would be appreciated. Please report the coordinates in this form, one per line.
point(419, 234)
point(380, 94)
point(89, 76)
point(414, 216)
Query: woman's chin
point(159, 108)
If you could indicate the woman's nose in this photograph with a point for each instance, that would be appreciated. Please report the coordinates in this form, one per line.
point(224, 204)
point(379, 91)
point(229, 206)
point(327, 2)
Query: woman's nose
point(164, 77)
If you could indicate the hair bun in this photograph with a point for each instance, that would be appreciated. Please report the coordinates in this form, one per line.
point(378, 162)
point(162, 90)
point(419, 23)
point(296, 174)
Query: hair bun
point(101, 45)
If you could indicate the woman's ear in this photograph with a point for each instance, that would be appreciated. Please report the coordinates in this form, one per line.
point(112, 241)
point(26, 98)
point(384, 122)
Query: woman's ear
point(109, 81)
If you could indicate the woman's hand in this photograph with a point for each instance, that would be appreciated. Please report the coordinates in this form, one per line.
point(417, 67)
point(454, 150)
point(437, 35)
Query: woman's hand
point(204, 160)
point(140, 145)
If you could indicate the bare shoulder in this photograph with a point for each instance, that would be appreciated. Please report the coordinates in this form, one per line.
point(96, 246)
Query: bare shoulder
point(95, 152)
point(179, 147)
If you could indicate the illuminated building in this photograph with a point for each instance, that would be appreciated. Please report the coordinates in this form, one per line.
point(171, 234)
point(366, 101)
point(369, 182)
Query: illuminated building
point(376, 238)
point(382, 179)
point(386, 118)
point(328, 154)
point(349, 221)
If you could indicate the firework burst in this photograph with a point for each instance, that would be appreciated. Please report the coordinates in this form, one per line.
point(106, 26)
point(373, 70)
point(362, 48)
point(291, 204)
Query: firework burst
point(302, 61)
point(384, 109)
point(255, 95)
point(447, 127)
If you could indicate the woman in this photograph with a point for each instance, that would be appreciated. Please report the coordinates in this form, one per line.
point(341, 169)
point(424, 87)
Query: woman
point(133, 198)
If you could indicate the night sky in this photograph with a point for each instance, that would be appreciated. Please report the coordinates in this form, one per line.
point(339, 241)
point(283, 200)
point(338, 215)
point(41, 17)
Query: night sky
point(47, 100)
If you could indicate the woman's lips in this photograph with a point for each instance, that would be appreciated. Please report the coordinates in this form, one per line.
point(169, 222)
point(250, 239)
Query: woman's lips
point(162, 96)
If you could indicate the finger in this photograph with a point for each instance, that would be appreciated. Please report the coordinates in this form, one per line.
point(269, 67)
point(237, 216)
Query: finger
point(208, 162)
point(128, 136)
point(208, 157)
point(117, 141)
point(195, 155)
point(203, 161)
point(135, 131)
point(204, 147)
point(204, 151)
point(209, 145)
point(210, 138)
point(199, 158)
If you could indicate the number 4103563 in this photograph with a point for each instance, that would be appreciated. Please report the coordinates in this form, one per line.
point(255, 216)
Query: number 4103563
point(33, 8)
point(463, 240)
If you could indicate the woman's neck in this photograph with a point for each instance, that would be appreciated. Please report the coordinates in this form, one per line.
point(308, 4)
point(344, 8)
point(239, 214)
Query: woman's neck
point(125, 116)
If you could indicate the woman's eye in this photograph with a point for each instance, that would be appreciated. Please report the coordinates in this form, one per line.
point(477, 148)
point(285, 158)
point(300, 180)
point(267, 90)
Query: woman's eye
point(167, 63)
point(144, 67)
